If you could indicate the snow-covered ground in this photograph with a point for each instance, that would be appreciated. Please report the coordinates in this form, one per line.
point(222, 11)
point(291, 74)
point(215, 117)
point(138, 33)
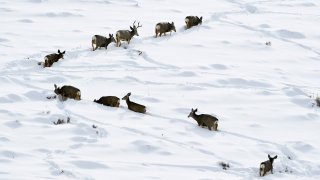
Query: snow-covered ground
point(263, 95)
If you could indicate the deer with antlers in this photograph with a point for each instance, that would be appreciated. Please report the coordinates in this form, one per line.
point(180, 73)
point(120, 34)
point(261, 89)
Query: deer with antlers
point(126, 35)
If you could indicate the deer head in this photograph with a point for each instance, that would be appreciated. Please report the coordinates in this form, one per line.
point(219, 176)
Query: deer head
point(193, 111)
point(112, 38)
point(134, 28)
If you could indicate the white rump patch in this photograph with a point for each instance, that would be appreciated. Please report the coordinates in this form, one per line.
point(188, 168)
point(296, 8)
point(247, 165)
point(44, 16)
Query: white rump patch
point(186, 20)
point(262, 166)
point(94, 39)
point(158, 27)
point(79, 93)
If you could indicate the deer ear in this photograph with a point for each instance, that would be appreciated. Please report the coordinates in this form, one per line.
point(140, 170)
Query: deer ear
point(129, 94)
point(63, 52)
point(59, 51)
point(196, 110)
point(172, 23)
point(269, 156)
point(275, 157)
point(201, 18)
point(55, 86)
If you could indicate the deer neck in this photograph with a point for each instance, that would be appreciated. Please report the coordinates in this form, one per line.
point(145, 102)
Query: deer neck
point(131, 34)
point(128, 101)
point(108, 41)
point(195, 116)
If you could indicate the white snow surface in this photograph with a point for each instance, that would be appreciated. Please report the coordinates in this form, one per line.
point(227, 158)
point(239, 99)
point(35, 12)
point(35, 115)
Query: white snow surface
point(262, 95)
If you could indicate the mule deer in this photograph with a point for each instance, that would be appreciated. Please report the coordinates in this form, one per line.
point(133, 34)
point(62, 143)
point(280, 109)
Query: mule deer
point(164, 27)
point(193, 21)
point(204, 119)
point(126, 35)
point(52, 58)
point(68, 92)
point(134, 106)
point(101, 41)
point(112, 101)
point(267, 166)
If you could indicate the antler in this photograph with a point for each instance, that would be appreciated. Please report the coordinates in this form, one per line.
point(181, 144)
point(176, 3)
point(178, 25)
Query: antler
point(139, 25)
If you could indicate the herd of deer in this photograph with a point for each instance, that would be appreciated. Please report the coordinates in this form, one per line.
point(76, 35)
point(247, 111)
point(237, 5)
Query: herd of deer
point(67, 91)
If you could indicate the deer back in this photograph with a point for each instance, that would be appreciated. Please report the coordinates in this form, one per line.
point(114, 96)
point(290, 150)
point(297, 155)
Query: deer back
point(208, 120)
point(123, 35)
point(99, 40)
point(163, 27)
point(193, 21)
point(267, 165)
point(52, 57)
point(70, 92)
point(109, 101)
point(136, 107)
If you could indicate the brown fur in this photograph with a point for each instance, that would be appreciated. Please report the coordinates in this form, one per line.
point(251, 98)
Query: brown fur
point(126, 35)
point(101, 41)
point(52, 58)
point(205, 120)
point(193, 21)
point(68, 92)
point(112, 101)
point(134, 106)
point(164, 27)
point(267, 166)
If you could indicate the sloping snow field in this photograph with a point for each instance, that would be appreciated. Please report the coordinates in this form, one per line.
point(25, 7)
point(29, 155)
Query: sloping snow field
point(263, 95)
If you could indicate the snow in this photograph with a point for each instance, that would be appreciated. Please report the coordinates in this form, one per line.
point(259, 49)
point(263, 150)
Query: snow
point(263, 95)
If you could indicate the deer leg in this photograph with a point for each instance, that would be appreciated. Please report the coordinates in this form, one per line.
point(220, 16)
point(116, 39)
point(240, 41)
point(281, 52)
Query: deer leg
point(117, 40)
point(92, 45)
point(63, 97)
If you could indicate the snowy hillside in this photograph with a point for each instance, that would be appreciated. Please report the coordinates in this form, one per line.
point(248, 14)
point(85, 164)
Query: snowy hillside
point(263, 95)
